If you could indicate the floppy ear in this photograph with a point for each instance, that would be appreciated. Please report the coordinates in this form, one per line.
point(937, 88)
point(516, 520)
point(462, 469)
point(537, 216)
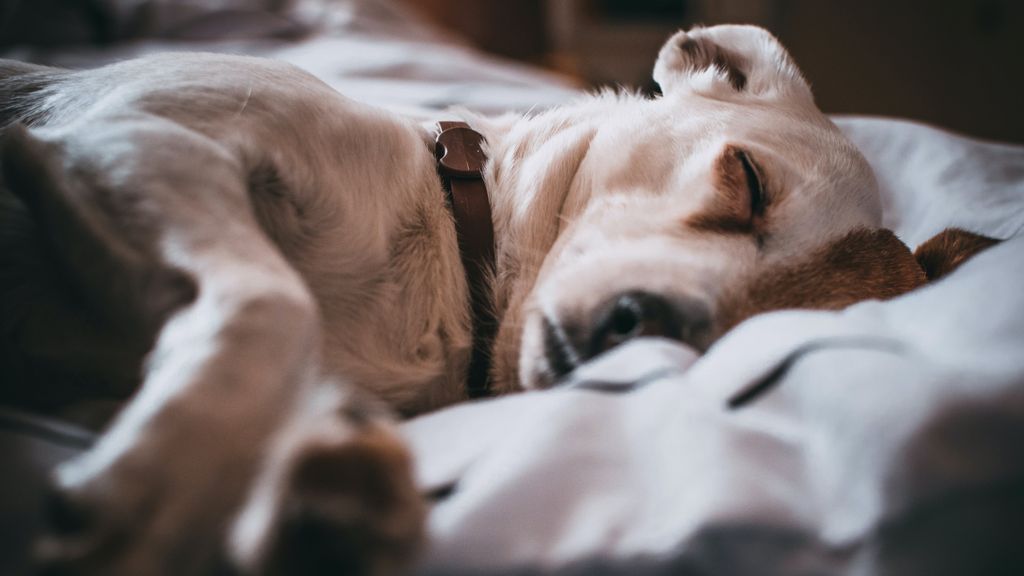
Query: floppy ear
point(728, 59)
point(947, 250)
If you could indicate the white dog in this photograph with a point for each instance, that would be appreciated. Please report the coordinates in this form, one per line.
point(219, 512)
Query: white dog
point(270, 247)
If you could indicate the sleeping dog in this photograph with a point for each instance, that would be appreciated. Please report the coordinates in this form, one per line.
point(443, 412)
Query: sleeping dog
point(277, 269)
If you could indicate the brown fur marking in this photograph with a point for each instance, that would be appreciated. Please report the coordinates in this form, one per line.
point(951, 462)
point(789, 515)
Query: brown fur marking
point(862, 265)
point(705, 54)
point(348, 498)
point(947, 250)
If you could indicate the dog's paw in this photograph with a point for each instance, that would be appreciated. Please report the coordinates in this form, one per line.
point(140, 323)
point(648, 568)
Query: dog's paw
point(86, 539)
point(338, 498)
point(349, 509)
point(156, 503)
point(93, 535)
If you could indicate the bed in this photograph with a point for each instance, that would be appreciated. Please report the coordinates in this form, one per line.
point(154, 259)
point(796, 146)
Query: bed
point(887, 438)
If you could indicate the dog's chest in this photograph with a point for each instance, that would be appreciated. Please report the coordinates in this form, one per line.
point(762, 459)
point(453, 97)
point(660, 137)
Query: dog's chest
point(369, 232)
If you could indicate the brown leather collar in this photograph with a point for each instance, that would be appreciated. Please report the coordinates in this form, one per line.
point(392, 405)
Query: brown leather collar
point(460, 163)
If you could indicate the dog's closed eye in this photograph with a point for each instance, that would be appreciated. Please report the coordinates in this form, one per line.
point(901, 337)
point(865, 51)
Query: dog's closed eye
point(755, 186)
point(738, 205)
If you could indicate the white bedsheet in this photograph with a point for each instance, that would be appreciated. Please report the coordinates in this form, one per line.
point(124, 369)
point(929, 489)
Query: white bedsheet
point(893, 443)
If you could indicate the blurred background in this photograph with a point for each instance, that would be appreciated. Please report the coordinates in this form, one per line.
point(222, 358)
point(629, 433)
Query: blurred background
point(956, 63)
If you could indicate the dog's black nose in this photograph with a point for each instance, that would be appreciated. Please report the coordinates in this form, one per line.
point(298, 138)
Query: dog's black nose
point(624, 317)
point(638, 313)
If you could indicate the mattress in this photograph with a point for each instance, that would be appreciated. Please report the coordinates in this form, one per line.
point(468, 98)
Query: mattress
point(884, 438)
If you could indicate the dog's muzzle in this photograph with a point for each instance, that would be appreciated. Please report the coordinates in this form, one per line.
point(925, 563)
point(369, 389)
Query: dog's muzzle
point(568, 342)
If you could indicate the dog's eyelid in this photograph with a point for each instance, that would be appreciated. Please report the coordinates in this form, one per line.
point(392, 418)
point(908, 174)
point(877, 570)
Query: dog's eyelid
point(755, 182)
point(740, 202)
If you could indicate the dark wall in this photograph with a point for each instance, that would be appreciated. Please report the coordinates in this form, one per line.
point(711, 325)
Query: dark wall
point(957, 63)
point(513, 28)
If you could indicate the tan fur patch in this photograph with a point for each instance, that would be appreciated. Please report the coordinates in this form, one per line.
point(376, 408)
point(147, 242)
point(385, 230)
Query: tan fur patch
point(862, 265)
point(947, 250)
point(352, 508)
point(357, 466)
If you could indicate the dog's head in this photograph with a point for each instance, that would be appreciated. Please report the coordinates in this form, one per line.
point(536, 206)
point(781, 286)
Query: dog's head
point(729, 195)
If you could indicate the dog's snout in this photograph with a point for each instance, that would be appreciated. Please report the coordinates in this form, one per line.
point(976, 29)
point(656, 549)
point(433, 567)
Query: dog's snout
point(632, 315)
point(625, 317)
point(639, 313)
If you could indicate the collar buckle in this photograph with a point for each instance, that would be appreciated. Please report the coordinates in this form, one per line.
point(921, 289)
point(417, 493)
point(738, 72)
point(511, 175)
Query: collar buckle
point(459, 153)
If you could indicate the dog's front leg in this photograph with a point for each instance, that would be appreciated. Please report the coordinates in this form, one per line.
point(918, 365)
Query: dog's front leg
point(159, 492)
point(167, 490)
point(153, 496)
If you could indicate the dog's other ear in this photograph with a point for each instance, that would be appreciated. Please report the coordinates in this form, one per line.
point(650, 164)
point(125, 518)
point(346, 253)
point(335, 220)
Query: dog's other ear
point(723, 60)
point(948, 249)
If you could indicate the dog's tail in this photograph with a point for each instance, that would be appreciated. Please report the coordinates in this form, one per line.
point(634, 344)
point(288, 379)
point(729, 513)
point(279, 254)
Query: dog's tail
point(23, 88)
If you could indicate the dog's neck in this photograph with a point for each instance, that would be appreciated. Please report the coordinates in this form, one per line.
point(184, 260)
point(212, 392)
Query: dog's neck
point(460, 164)
point(530, 172)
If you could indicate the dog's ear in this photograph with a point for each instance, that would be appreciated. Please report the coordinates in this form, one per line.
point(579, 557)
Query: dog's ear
point(723, 60)
point(948, 249)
